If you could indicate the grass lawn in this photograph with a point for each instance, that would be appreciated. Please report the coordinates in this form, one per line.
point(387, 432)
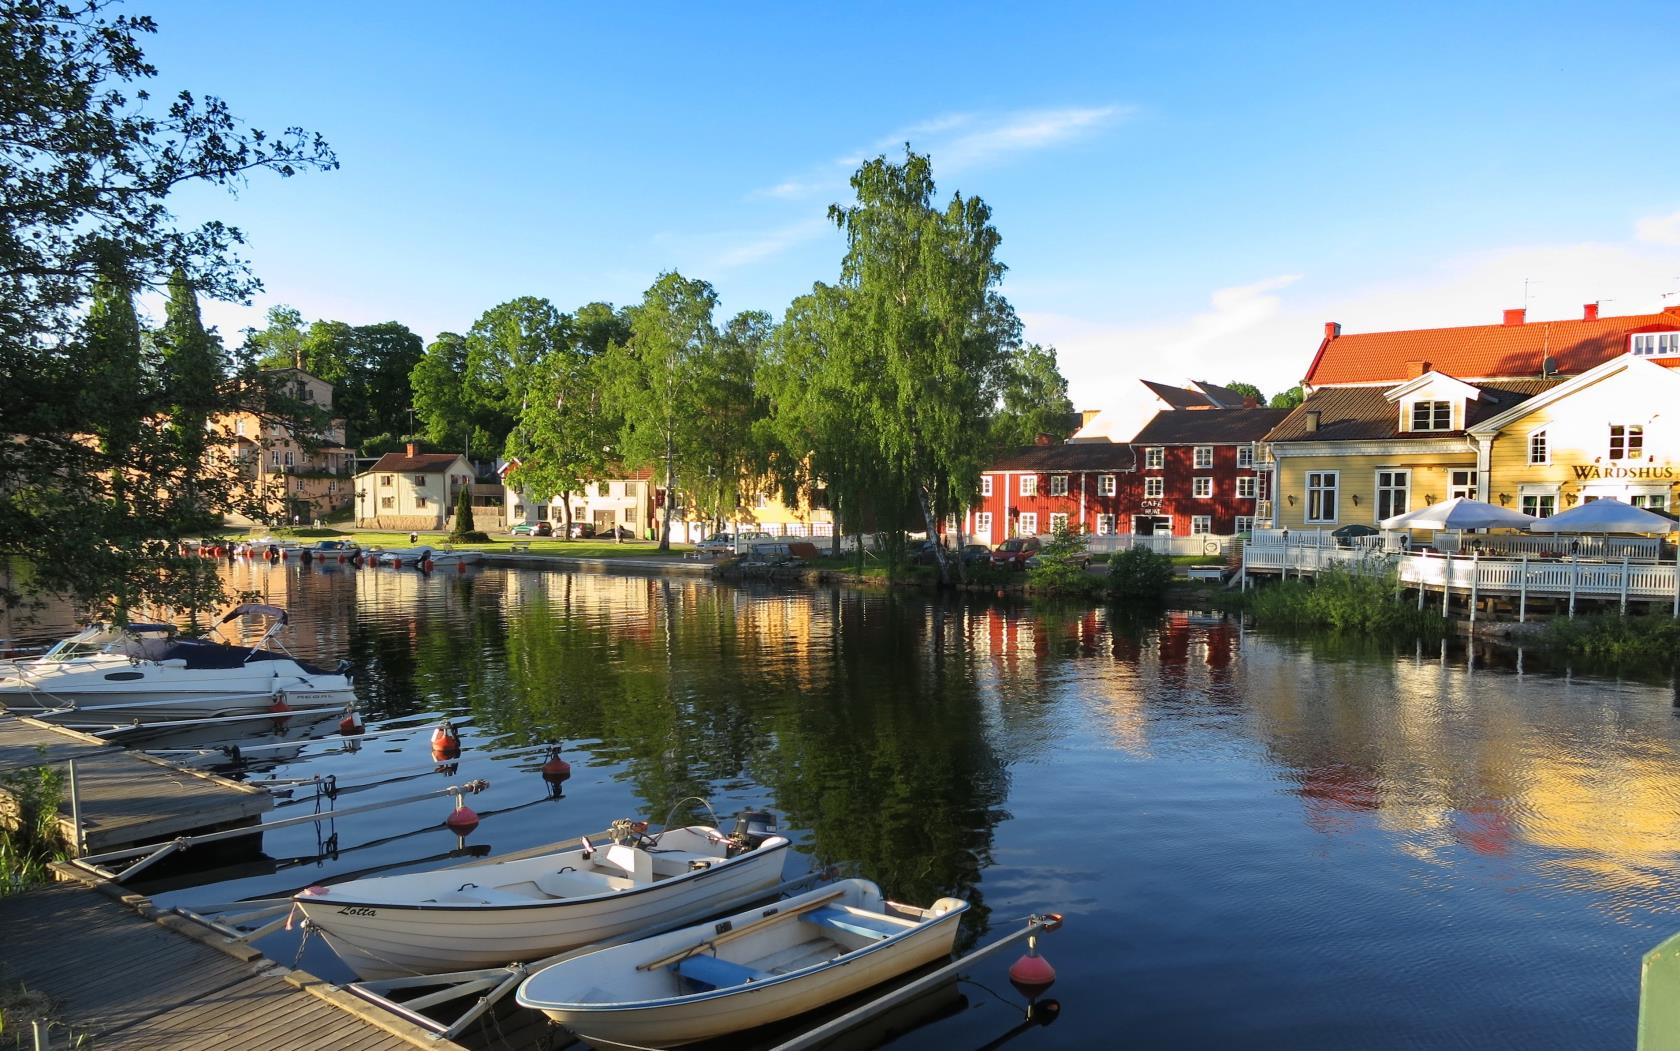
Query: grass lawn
point(539, 545)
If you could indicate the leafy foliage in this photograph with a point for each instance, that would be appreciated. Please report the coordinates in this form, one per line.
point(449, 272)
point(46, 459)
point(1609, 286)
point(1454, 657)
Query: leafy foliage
point(1344, 600)
point(1035, 399)
point(1651, 639)
point(26, 850)
point(1060, 566)
point(1288, 399)
point(1247, 390)
point(1139, 575)
point(463, 523)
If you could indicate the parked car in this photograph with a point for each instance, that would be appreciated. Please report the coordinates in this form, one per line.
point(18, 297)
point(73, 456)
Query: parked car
point(1014, 552)
point(582, 531)
point(717, 544)
point(532, 529)
point(976, 554)
point(922, 553)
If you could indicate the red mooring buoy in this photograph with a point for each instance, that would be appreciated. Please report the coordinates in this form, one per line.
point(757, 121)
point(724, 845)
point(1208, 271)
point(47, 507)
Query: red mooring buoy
point(349, 726)
point(462, 820)
point(555, 769)
point(446, 743)
point(1032, 974)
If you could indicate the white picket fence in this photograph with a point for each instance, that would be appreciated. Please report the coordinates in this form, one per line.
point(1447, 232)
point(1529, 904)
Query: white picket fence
point(1555, 545)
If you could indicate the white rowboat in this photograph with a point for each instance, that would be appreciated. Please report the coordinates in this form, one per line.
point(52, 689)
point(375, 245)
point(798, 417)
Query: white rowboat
point(749, 970)
point(498, 912)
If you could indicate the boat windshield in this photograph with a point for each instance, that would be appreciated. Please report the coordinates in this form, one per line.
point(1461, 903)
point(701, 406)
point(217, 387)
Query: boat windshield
point(96, 639)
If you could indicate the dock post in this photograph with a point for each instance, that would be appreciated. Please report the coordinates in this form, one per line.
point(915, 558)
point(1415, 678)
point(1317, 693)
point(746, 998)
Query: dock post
point(1475, 587)
point(1624, 584)
point(1574, 579)
point(75, 811)
point(1522, 592)
point(1446, 583)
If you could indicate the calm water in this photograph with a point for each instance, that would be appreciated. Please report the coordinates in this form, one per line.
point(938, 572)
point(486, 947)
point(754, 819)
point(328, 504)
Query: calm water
point(1256, 842)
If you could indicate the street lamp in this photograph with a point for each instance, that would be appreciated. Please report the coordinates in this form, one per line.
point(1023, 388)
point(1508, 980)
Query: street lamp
point(361, 505)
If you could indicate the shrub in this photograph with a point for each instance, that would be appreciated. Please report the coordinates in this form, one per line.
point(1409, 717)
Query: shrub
point(1139, 575)
point(26, 849)
point(1640, 639)
point(1344, 600)
point(1059, 567)
point(463, 525)
point(476, 536)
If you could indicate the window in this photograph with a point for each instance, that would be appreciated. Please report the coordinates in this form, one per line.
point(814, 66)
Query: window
point(1656, 344)
point(761, 501)
point(300, 485)
point(1202, 487)
point(603, 488)
point(1058, 485)
point(1245, 488)
point(1462, 483)
point(419, 481)
point(1538, 450)
point(1201, 525)
point(1105, 485)
point(332, 487)
point(1029, 524)
point(288, 457)
point(1654, 502)
point(542, 512)
point(1627, 441)
point(387, 502)
point(985, 485)
point(1029, 485)
point(1058, 522)
point(420, 501)
point(1245, 523)
point(1204, 456)
point(274, 458)
point(819, 497)
point(1431, 415)
point(1105, 525)
point(1539, 505)
point(1245, 456)
point(1321, 496)
point(983, 524)
point(386, 480)
point(1154, 458)
point(1394, 493)
point(1153, 488)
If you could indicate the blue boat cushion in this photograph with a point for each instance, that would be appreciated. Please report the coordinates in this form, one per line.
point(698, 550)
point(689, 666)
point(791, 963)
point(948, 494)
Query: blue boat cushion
point(709, 972)
point(851, 922)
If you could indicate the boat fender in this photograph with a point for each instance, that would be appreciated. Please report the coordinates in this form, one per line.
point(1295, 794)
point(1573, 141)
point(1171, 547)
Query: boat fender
point(280, 707)
point(461, 821)
point(588, 847)
point(349, 726)
point(426, 565)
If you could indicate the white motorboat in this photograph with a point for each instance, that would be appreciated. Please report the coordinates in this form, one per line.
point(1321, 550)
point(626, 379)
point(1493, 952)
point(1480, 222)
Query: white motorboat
point(449, 557)
point(107, 675)
point(398, 556)
point(496, 912)
point(748, 970)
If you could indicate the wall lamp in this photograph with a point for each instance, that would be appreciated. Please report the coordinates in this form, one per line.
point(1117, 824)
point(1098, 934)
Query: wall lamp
point(1504, 498)
point(1291, 499)
point(1356, 499)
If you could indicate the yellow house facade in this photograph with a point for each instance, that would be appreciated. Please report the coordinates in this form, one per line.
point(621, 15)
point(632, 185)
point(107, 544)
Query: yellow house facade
point(1611, 432)
point(289, 475)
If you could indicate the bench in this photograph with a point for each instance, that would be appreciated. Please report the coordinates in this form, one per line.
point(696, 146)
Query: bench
point(520, 549)
point(876, 927)
point(1214, 573)
point(709, 972)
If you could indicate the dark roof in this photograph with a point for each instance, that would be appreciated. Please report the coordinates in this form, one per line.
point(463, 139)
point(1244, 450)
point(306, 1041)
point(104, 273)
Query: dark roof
point(420, 462)
point(1076, 456)
point(1179, 397)
point(1224, 396)
point(1364, 414)
point(1209, 427)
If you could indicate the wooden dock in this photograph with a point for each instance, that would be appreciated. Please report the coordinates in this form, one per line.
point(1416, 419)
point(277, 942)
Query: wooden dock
point(117, 979)
point(127, 798)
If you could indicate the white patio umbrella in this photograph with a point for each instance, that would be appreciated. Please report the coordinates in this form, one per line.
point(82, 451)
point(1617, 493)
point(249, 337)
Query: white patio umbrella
point(1459, 513)
point(1605, 516)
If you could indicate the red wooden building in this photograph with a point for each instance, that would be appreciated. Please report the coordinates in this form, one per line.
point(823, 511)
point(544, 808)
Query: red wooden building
point(1184, 474)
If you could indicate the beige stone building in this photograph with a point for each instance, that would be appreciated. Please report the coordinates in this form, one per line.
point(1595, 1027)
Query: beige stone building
point(414, 490)
point(289, 475)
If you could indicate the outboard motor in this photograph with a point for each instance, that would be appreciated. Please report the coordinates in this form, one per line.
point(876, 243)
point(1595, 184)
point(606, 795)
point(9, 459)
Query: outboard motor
point(752, 827)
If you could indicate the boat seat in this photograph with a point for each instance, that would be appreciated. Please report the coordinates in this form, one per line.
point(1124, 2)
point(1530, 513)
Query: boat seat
point(580, 883)
point(709, 972)
point(875, 927)
point(677, 862)
point(482, 896)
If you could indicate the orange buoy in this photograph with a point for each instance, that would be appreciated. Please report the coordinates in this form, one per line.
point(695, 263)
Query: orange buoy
point(426, 565)
point(349, 726)
point(279, 707)
point(446, 742)
point(554, 768)
point(462, 820)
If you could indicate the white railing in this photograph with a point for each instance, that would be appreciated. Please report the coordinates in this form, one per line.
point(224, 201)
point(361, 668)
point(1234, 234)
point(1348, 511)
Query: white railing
point(1313, 539)
point(1556, 545)
point(1202, 544)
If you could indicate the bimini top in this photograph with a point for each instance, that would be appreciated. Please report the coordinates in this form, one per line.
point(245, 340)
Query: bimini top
point(255, 609)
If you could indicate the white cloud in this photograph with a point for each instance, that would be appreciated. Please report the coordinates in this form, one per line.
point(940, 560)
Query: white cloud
point(1659, 229)
point(762, 246)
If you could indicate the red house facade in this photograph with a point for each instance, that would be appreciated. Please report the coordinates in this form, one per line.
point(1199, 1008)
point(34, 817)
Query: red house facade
point(1184, 474)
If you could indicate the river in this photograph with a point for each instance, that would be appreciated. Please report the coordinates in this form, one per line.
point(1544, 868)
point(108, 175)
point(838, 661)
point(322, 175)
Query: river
point(1256, 841)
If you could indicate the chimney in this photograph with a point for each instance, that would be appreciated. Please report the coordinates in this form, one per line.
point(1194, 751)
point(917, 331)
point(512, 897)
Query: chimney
point(1414, 369)
point(1042, 439)
point(1332, 329)
point(1514, 316)
point(413, 451)
point(1250, 402)
point(1312, 420)
point(1589, 312)
point(1087, 415)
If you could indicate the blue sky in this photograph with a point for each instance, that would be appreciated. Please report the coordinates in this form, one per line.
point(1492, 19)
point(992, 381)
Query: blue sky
point(1178, 196)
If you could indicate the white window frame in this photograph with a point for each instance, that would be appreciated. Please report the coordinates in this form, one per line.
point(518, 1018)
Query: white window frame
point(1105, 525)
point(1058, 521)
point(985, 485)
point(1028, 524)
point(1246, 487)
point(1202, 457)
point(1320, 483)
point(1058, 485)
point(1154, 488)
point(1201, 525)
point(1429, 406)
point(1201, 487)
point(1466, 488)
point(1029, 485)
point(1154, 458)
point(1106, 485)
point(1656, 344)
point(1245, 456)
point(983, 525)
point(1632, 441)
point(1244, 524)
point(1539, 435)
point(1399, 483)
point(1530, 504)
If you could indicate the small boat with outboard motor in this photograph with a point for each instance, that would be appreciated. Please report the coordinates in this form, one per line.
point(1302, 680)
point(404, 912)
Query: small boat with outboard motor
point(111, 674)
point(748, 970)
point(491, 913)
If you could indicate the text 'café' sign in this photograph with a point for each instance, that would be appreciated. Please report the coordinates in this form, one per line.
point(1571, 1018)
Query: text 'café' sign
point(1586, 472)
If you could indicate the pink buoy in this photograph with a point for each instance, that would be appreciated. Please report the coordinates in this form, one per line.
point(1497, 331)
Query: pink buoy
point(462, 820)
point(1032, 974)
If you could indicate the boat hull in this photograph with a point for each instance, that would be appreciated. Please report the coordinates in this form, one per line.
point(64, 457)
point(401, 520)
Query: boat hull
point(83, 692)
point(381, 939)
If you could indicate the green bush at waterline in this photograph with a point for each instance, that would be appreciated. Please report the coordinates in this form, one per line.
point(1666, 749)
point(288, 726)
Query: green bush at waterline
point(1340, 600)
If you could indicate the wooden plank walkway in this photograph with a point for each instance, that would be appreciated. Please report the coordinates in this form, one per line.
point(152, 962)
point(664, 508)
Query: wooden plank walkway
point(127, 797)
point(121, 980)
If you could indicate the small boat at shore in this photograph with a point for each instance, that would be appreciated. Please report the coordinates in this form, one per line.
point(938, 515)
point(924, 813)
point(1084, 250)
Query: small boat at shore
point(495, 912)
point(139, 673)
point(752, 969)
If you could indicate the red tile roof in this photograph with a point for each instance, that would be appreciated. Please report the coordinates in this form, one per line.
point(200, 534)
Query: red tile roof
point(1476, 352)
point(422, 462)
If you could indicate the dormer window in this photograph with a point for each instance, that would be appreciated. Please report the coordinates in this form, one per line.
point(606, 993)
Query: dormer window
point(1431, 415)
point(1656, 344)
